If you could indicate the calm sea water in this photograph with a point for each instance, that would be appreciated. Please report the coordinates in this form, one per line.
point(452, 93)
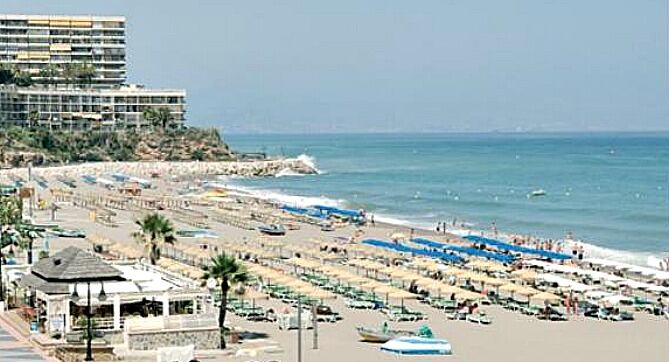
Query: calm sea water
point(608, 189)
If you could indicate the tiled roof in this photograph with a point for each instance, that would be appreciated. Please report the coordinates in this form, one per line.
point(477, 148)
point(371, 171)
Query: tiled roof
point(73, 264)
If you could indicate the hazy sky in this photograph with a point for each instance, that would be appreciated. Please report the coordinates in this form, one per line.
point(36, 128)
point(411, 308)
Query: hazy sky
point(444, 65)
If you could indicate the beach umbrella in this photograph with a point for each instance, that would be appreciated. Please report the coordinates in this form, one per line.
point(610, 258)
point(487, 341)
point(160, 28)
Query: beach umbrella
point(401, 295)
point(487, 265)
point(426, 282)
point(441, 288)
point(250, 294)
point(494, 281)
point(388, 270)
point(296, 284)
point(283, 279)
point(527, 291)
point(524, 274)
point(546, 297)
point(398, 236)
point(371, 285)
point(357, 263)
point(467, 295)
point(354, 279)
point(509, 288)
point(450, 270)
point(410, 276)
point(316, 293)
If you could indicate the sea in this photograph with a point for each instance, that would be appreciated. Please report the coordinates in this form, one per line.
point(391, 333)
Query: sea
point(610, 190)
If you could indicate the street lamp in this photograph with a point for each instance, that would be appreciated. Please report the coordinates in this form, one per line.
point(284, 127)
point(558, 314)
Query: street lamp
point(102, 296)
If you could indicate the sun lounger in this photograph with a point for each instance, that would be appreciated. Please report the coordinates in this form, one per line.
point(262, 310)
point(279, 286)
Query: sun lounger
point(359, 304)
point(458, 316)
point(531, 310)
point(479, 318)
point(444, 304)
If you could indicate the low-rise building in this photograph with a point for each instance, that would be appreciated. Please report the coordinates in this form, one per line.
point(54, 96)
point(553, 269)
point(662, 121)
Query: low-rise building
point(88, 108)
point(61, 287)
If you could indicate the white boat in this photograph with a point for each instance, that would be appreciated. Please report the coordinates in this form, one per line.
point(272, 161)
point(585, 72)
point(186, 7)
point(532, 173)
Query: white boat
point(539, 192)
point(417, 346)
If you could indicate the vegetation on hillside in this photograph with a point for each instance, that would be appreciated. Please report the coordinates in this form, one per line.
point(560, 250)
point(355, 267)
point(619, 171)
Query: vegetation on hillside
point(159, 144)
point(79, 74)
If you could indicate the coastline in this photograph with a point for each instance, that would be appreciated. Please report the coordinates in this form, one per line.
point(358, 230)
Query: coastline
point(226, 174)
point(512, 336)
point(591, 250)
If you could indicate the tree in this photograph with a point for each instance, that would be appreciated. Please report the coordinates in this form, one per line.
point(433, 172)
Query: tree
point(50, 73)
point(11, 211)
point(227, 271)
point(197, 155)
point(154, 231)
point(85, 74)
point(27, 239)
point(33, 117)
point(13, 75)
point(23, 80)
point(6, 74)
point(160, 117)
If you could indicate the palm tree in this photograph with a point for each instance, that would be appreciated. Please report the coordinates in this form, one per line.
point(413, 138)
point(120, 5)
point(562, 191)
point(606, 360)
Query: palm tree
point(154, 231)
point(11, 210)
point(227, 271)
point(158, 117)
point(27, 239)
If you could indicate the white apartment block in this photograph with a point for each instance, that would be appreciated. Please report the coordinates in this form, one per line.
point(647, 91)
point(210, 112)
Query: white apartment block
point(34, 43)
point(87, 108)
point(51, 48)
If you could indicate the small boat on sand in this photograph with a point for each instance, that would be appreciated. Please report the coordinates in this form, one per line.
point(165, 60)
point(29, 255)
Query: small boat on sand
point(272, 229)
point(417, 346)
point(381, 335)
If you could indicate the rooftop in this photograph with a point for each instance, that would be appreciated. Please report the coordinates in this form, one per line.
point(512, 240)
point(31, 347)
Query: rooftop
point(72, 265)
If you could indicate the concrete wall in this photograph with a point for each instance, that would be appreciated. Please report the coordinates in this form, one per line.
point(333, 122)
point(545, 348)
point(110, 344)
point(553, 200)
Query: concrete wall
point(202, 338)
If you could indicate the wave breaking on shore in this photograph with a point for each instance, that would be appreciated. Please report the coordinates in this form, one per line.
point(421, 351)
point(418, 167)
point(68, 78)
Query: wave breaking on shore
point(592, 250)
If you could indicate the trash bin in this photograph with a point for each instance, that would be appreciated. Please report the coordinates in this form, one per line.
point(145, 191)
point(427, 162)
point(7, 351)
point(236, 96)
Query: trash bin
point(234, 337)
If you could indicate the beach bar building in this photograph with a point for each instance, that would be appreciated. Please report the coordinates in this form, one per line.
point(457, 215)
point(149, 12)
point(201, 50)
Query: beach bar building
point(117, 291)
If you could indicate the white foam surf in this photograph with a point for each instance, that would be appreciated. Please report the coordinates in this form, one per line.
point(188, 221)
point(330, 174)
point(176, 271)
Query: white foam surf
point(591, 250)
point(283, 198)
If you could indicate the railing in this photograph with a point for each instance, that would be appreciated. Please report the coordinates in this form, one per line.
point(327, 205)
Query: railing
point(188, 321)
point(173, 322)
point(98, 324)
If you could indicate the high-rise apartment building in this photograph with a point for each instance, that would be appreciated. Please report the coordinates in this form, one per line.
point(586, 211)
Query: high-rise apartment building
point(77, 68)
point(50, 48)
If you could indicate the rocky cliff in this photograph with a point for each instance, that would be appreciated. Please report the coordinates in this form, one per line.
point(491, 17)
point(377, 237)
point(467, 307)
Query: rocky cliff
point(20, 146)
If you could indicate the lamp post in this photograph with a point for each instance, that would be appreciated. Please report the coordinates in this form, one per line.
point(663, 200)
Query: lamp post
point(102, 296)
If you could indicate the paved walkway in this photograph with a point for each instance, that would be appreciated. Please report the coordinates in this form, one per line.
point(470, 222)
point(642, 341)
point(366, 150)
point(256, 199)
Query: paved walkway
point(13, 350)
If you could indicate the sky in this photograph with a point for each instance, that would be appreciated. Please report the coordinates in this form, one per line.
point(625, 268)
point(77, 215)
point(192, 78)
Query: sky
point(399, 66)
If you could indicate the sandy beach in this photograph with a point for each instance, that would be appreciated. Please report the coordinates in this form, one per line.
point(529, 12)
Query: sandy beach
point(511, 336)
